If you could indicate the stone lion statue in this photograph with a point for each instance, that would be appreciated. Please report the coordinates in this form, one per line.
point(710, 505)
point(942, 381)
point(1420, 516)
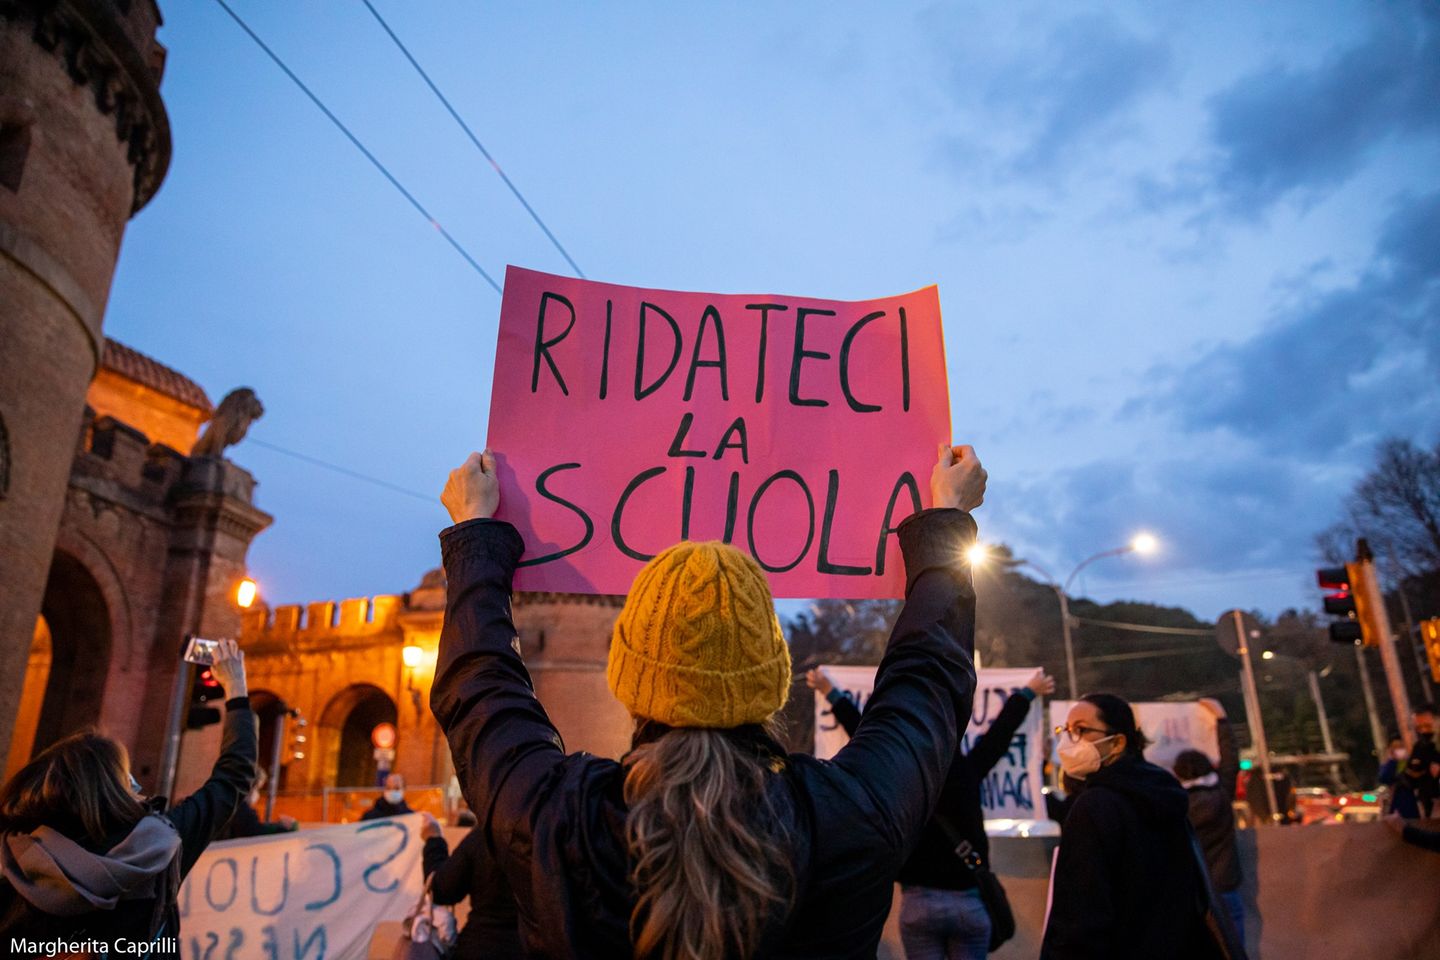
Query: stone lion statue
point(229, 423)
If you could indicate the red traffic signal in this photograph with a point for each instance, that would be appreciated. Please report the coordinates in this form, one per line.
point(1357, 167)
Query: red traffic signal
point(1340, 602)
point(204, 689)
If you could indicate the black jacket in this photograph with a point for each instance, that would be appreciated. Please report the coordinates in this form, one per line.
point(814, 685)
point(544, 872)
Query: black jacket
point(1213, 816)
point(492, 929)
point(247, 823)
point(1128, 882)
point(198, 819)
point(934, 863)
point(556, 822)
point(384, 808)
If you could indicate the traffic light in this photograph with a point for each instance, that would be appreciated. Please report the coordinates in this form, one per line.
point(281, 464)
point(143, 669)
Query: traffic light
point(1339, 601)
point(204, 689)
point(1430, 634)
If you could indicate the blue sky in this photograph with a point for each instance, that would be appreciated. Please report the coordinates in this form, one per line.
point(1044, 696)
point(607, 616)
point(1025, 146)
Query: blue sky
point(1188, 256)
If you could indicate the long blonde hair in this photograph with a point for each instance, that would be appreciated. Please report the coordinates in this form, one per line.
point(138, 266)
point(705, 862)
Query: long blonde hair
point(709, 857)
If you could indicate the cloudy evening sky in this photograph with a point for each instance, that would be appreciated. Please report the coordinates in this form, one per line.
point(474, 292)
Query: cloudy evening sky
point(1188, 254)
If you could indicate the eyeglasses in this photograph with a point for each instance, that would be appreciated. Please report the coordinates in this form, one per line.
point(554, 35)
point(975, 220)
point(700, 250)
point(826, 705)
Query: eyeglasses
point(1078, 731)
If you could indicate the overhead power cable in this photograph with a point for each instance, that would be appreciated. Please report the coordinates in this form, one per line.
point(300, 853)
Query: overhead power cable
point(473, 139)
point(419, 207)
point(1144, 628)
point(354, 474)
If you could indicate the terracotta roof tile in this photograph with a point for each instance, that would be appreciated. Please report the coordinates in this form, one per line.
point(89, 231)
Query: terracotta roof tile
point(131, 363)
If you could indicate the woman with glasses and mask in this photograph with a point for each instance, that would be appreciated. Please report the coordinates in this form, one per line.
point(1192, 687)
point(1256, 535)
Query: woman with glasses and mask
point(85, 856)
point(1128, 881)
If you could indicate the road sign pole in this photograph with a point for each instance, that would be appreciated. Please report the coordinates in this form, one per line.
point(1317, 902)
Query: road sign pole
point(1370, 605)
point(1252, 711)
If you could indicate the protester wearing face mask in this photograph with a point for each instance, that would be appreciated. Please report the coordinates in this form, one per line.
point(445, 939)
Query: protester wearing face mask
point(392, 802)
point(1129, 881)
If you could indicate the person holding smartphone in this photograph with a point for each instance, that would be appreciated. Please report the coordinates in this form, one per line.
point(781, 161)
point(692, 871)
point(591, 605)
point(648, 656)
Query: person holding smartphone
point(84, 854)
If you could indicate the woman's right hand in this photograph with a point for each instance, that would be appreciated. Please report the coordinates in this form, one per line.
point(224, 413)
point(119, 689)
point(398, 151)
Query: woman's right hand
point(472, 491)
point(816, 680)
point(229, 668)
point(957, 480)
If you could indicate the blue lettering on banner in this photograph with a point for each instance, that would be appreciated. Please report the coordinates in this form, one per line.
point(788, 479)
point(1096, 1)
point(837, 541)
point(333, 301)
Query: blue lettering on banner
point(404, 842)
point(234, 884)
point(212, 940)
point(255, 887)
point(302, 951)
point(237, 940)
point(184, 900)
point(1001, 787)
point(325, 848)
point(269, 943)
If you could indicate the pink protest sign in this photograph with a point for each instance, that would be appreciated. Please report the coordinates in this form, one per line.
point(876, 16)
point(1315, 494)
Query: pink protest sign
point(800, 430)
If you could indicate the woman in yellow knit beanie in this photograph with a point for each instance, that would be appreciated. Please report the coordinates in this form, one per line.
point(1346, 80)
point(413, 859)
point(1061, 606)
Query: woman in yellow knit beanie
point(707, 840)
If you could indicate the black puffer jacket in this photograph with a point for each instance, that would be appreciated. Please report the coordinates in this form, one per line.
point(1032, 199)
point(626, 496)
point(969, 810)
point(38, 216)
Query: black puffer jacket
point(1128, 883)
point(556, 822)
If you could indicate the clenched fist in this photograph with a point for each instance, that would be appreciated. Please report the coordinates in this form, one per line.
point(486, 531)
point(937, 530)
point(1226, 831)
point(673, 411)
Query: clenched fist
point(473, 490)
point(957, 480)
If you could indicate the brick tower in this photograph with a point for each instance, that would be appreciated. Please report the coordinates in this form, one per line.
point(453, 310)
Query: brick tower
point(84, 144)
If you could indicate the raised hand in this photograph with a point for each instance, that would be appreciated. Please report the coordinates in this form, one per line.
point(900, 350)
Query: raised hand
point(472, 491)
point(957, 480)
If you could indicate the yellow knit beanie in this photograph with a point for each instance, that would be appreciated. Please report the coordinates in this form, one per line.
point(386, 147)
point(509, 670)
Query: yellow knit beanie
point(698, 643)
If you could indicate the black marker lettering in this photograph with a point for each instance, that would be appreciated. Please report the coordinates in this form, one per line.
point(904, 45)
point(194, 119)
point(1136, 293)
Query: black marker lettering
point(544, 491)
point(641, 391)
point(735, 429)
point(906, 480)
point(615, 534)
point(542, 346)
point(832, 494)
point(905, 363)
point(720, 363)
point(845, 345)
point(605, 356)
point(799, 355)
point(764, 309)
point(677, 448)
point(755, 503)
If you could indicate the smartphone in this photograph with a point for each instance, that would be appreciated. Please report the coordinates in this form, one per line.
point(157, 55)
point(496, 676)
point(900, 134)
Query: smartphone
point(200, 650)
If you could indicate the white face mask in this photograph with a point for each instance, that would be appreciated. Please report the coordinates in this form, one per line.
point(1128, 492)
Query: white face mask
point(1082, 758)
point(394, 796)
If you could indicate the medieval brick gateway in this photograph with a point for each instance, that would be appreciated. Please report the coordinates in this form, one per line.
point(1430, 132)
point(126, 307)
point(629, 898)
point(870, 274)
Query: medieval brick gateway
point(342, 665)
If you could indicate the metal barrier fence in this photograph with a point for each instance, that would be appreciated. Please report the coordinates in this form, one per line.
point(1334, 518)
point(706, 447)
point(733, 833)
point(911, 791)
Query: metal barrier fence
point(346, 804)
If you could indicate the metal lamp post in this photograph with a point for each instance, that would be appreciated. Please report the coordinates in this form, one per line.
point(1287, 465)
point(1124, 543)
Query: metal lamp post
point(1142, 543)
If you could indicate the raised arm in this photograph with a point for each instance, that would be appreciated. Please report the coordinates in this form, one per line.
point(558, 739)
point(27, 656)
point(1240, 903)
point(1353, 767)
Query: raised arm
point(842, 708)
point(200, 817)
point(897, 761)
point(500, 737)
point(994, 743)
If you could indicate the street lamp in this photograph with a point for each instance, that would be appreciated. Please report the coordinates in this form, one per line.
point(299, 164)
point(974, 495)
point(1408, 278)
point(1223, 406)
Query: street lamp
point(245, 593)
point(1142, 543)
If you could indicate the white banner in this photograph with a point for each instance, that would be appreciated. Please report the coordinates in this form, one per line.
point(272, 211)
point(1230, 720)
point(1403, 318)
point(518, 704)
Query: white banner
point(309, 895)
point(1011, 790)
point(1170, 727)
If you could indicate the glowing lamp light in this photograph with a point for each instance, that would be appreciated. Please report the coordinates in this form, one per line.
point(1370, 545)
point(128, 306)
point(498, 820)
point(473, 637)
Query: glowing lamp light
point(1246, 764)
point(1268, 655)
point(245, 593)
point(1144, 543)
point(976, 554)
point(412, 655)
